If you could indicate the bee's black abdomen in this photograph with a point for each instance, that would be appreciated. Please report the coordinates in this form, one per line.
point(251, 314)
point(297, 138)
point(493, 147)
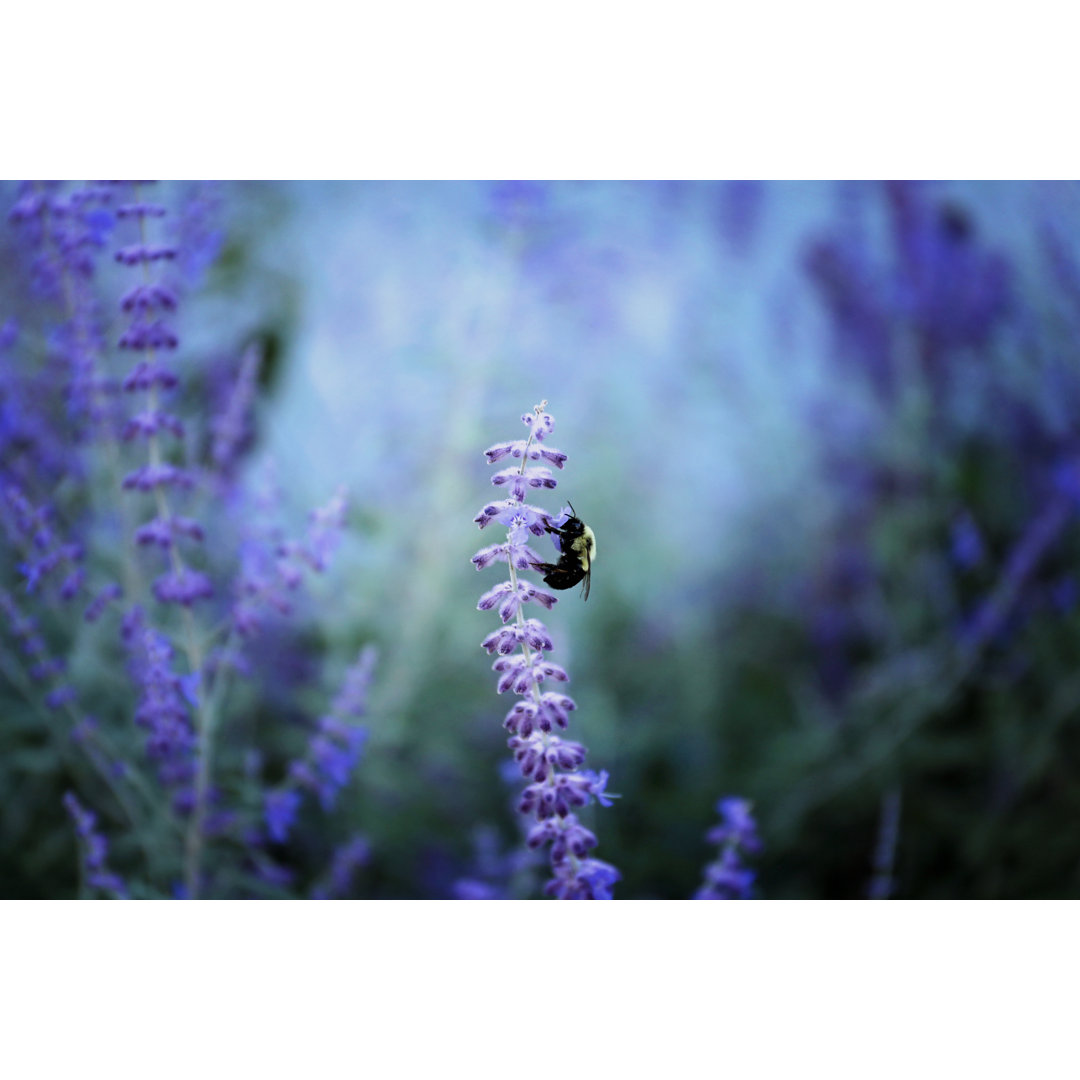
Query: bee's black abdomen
point(563, 577)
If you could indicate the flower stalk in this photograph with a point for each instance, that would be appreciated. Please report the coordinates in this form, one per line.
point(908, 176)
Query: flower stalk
point(557, 785)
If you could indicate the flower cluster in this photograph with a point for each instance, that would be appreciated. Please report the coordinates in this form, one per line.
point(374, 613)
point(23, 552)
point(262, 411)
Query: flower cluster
point(61, 233)
point(949, 289)
point(497, 872)
point(332, 753)
point(49, 671)
point(150, 305)
point(164, 709)
point(272, 567)
point(232, 429)
point(45, 554)
point(557, 785)
point(94, 850)
point(94, 446)
point(728, 878)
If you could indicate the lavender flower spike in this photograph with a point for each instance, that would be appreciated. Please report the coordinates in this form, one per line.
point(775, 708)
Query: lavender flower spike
point(94, 850)
point(557, 784)
point(151, 304)
point(727, 878)
point(332, 753)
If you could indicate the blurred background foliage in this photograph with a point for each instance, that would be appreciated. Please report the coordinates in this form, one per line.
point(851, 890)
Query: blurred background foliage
point(825, 434)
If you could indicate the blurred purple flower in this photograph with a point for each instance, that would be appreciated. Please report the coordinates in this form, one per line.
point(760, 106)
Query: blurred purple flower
point(163, 709)
point(495, 872)
point(737, 828)
point(94, 850)
point(332, 753)
point(995, 613)
point(955, 291)
point(941, 284)
point(42, 667)
point(62, 233)
point(232, 428)
point(183, 586)
point(738, 210)
point(272, 568)
point(347, 860)
point(582, 879)
point(519, 204)
point(966, 542)
point(1065, 594)
point(151, 305)
point(47, 557)
point(471, 889)
point(198, 233)
point(727, 878)
point(279, 812)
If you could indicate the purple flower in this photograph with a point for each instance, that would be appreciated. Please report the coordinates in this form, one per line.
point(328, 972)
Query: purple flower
point(94, 850)
point(558, 786)
point(45, 555)
point(496, 872)
point(149, 375)
point(515, 515)
point(153, 297)
point(163, 709)
point(198, 232)
point(1064, 594)
point(105, 596)
point(737, 827)
point(332, 755)
point(332, 752)
point(966, 542)
point(232, 429)
point(325, 526)
point(582, 879)
point(738, 210)
point(51, 415)
point(272, 568)
point(508, 638)
point(347, 860)
point(949, 291)
point(41, 667)
point(279, 812)
point(61, 233)
point(519, 553)
point(149, 423)
point(351, 699)
point(143, 254)
point(183, 586)
point(151, 304)
point(727, 878)
point(162, 530)
point(471, 889)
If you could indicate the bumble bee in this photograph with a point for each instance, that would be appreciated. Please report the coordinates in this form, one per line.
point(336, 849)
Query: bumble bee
point(577, 550)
